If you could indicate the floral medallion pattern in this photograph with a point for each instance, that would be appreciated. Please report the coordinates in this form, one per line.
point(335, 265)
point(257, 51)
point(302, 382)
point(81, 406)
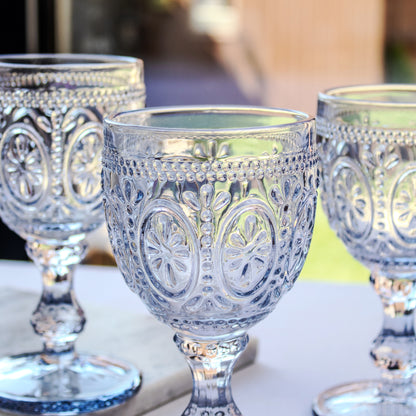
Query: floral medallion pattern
point(404, 205)
point(168, 249)
point(83, 163)
point(50, 148)
point(125, 200)
point(24, 164)
point(352, 198)
point(193, 246)
point(302, 237)
point(246, 249)
point(369, 192)
point(295, 217)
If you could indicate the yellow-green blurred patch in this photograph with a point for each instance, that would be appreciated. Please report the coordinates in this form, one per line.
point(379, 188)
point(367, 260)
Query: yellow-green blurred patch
point(328, 259)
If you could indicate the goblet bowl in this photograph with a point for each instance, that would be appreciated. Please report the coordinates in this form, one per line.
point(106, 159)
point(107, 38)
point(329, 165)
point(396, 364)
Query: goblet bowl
point(210, 212)
point(366, 137)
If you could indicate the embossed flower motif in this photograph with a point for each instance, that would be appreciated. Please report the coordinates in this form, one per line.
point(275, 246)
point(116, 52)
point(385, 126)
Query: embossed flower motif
point(350, 199)
point(383, 156)
point(122, 247)
point(84, 166)
point(205, 199)
point(303, 233)
point(129, 195)
point(168, 251)
point(328, 150)
point(24, 166)
point(247, 253)
point(286, 195)
point(405, 205)
point(288, 192)
point(302, 238)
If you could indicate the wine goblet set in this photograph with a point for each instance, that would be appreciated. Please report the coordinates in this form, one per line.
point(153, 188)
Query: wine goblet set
point(210, 212)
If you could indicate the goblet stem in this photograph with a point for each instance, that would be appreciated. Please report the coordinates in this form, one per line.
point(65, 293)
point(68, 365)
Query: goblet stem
point(394, 350)
point(58, 318)
point(211, 363)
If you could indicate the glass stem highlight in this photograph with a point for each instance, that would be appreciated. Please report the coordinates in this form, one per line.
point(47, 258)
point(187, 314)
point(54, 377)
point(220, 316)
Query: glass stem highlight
point(394, 350)
point(58, 318)
point(211, 363)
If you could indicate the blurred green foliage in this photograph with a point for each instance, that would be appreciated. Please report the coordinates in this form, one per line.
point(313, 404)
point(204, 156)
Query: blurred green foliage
point(328, 259)
point(398, 64)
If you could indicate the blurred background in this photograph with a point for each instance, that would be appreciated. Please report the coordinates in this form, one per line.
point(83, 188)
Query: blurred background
point(266, 52)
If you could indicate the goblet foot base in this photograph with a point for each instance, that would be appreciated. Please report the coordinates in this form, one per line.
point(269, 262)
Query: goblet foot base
point(66, 384)
point(360, 399)
point(229, 410)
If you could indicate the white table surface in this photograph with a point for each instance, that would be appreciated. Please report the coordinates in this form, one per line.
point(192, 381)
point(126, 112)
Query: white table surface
point(318, 336)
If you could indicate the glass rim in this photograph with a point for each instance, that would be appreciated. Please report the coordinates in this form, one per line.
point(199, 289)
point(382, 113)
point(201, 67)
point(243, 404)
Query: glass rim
point(330, 96)
point(75, 61)
point(111, 120)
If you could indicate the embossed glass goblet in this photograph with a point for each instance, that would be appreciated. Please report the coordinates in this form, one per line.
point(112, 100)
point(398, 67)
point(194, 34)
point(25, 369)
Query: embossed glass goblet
point(367, 141)
point(210, 212)
point(51, 109)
